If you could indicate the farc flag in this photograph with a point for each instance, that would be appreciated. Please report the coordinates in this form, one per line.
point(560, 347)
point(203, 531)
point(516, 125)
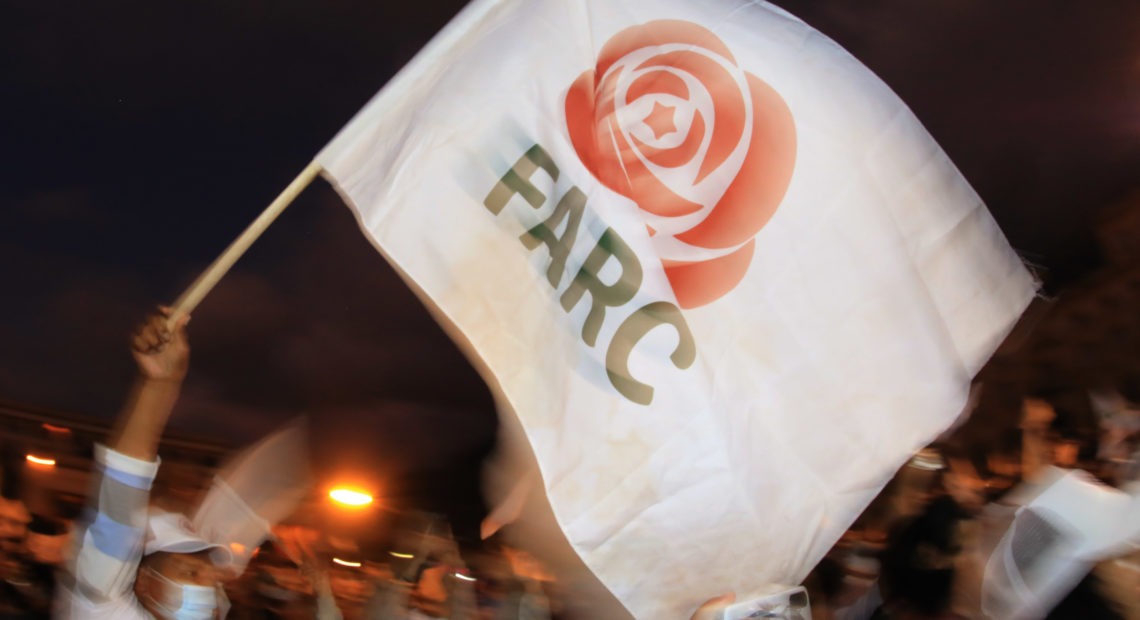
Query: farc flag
point(721, 273)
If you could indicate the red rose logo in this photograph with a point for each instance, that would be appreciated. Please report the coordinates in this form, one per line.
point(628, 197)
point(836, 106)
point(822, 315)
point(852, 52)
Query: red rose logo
point(705, 149)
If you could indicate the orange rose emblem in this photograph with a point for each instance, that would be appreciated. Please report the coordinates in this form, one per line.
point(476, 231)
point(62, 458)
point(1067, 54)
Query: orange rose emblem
point(668, 119)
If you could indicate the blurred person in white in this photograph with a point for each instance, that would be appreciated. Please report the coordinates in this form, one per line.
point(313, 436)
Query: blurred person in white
point(1119, 453)
point(1042, 539)
point(128, 562)
point(1119, 448)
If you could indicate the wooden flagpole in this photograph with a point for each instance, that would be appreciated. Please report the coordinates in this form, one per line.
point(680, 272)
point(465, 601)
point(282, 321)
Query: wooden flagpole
point(193, 295)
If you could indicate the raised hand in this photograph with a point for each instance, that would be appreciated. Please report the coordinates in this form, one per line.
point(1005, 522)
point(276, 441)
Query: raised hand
point(162, 353)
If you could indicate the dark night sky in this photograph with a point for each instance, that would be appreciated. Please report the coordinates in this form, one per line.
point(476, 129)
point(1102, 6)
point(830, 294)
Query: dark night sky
point(139, 137)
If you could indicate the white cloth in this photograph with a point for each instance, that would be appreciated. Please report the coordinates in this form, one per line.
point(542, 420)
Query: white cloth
point(778, 286)
point(100, 577)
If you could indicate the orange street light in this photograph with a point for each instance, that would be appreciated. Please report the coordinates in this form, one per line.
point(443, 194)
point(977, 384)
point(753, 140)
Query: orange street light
point(350, 497)
point(39, 460)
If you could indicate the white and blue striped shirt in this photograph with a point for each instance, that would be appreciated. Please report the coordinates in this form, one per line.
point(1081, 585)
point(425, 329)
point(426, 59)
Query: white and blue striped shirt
point(100, 576)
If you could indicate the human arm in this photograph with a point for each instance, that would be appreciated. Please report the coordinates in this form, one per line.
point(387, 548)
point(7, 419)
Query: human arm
point(163, 357)
point(109, 545)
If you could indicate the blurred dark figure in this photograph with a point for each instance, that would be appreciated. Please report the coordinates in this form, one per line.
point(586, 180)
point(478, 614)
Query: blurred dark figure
point(29, 570)
point(18, 591)
point(825, 586)
point(1085, 602)
point(918, 565)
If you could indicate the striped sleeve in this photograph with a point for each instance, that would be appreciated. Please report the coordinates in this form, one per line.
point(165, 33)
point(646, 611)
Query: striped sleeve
point(110, 545)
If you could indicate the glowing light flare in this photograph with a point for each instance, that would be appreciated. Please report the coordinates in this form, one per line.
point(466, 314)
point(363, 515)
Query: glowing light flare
point(347, 563)
point(39, 460)
point(402, 556)
point(52, 428)
point(464, 577)
point(350, 497)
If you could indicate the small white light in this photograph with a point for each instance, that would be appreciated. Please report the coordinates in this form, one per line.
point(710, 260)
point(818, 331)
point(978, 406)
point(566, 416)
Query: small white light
point(402, 556)
point(464, 577)
point(40, 460)
point(346, 563)
point(927, 460)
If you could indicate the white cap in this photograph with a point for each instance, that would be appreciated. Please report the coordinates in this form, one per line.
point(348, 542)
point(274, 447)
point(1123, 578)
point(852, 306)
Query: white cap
point(171, 532)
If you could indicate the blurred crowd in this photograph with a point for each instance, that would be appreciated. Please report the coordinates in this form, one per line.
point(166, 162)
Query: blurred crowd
point(433, 579)
point(141, 551)
point(1042, 524)
point(299, 575)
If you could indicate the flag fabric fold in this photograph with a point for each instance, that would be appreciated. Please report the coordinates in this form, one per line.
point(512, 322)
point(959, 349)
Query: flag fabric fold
point(720, 272)
point(254, 491)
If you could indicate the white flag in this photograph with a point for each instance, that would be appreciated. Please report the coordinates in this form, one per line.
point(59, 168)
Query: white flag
point(721, 273)
point(254, 491)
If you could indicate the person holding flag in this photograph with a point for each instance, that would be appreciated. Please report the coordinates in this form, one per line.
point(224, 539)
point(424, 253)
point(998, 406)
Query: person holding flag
point(133, 560)
point(130, 563)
